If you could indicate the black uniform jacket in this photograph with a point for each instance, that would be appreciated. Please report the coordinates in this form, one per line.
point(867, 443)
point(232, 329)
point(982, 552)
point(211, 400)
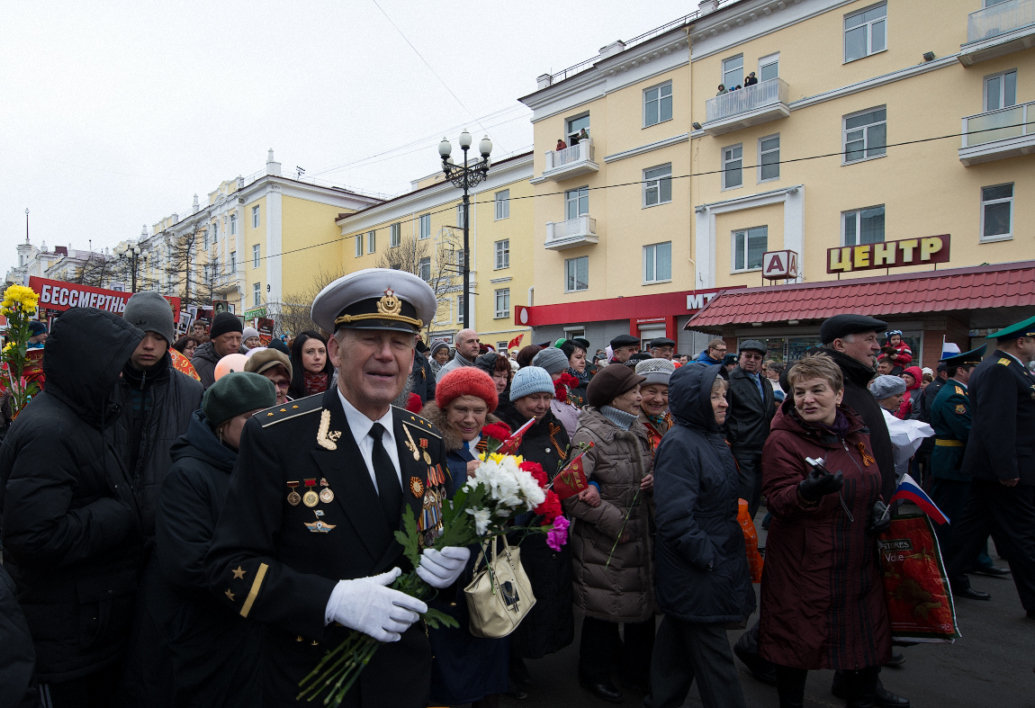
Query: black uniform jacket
point(1002, 438)
point(302, 513)
point(747, 424)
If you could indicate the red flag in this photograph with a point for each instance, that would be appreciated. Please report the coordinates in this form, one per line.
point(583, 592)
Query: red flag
point(572, 479)
point(513, 344)
point(510, 445)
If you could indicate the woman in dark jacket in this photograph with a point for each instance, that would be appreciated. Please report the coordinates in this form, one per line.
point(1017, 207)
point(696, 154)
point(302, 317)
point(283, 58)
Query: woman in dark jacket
point(703, 582)
point(214, 653)
point(822, 599)
point(312, 370)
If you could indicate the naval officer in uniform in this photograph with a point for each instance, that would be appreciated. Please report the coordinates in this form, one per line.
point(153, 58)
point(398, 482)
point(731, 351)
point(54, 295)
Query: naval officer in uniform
point(305, 541)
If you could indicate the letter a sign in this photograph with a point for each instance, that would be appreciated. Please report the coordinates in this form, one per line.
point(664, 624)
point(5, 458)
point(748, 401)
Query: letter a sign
point(779, 265)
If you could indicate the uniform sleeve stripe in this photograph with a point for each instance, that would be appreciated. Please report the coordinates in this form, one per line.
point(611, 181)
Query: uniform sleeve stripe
point(260, 575)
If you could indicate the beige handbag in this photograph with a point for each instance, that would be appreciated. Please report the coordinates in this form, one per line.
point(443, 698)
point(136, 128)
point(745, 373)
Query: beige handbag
point(500, 595)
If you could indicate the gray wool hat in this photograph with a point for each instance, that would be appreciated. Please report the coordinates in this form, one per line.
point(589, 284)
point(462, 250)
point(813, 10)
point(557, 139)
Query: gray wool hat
point(529, 380)
point(551, 359)
point(655, 371)
point(886, 385)
point(249, 332)
point(151, 312)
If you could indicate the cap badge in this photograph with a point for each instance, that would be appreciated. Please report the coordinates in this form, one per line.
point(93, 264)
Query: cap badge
point(389, 304)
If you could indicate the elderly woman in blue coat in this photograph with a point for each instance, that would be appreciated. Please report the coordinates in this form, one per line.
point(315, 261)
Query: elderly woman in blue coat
point(703, 583)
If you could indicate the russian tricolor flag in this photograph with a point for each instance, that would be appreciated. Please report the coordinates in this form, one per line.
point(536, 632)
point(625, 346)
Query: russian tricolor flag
point(949, 349)
point(908, 489)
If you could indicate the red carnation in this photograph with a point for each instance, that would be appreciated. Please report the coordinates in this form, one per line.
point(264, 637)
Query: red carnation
point(537, 472)
point(550, 509)
point(496, 431)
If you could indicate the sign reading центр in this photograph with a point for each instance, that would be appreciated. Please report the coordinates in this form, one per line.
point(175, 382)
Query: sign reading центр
point(59, 295)
point(889, 254)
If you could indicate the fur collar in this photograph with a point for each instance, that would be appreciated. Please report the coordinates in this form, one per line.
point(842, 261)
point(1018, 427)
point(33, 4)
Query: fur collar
point(450, 439)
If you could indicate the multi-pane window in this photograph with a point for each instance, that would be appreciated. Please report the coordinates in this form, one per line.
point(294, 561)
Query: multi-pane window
point(424, 268)
point(503, 204)
point(503, 253)
point(657, 262)
point(395, 235)
point(575, 126)
point(657, 104)
point(256, 249)
point(256, 294)
point(861, 226)
point(233, 261)
point(576, 203)
point(748, 247)
point(997, 212)
point(733, 71)
point(732, 162)
point(459, 216)
point(359, 245)
point(769, 158)
point(215, 231)
point(204, 238)
point(866, 32)
point(769, 67)
point(425, 226)
point(1001, 90)
point(233, 224)
point(657, 185)
point(502, 302)
point(576, 273)
point(865, 134)
point(255, 216)
point(371, 241)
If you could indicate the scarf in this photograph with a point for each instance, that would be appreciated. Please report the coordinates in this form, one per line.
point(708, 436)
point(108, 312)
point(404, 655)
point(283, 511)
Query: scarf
point(619, 417)
point(315, 383)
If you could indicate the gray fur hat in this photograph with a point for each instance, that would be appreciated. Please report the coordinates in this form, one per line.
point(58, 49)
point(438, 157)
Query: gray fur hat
point(655, 371)
point(151, 312)
point(886, 385)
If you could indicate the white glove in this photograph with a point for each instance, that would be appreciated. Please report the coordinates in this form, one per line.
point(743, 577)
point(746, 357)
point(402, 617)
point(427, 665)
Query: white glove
point(440, 569)
point(368, 605)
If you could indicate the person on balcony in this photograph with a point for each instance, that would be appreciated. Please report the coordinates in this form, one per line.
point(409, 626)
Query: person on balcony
point(751, 80)
point(722, 90)
point(561, 145)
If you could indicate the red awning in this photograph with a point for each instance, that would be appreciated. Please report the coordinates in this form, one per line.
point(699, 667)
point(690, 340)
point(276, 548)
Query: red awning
point(953, 290)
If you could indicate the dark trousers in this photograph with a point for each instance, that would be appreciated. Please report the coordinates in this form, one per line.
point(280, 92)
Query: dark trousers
point(602, 649)
point(749, 463)
point(684, 651)
point(1009, 513)
point(94, 691)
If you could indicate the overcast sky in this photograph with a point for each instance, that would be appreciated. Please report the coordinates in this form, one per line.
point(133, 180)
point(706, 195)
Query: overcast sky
point(114, 114)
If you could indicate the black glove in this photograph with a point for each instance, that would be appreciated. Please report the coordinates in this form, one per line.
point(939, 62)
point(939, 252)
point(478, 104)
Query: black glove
point(819, 483)
point(880, 518)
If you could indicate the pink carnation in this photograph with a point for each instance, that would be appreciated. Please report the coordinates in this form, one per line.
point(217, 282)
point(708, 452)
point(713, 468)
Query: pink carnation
point(557, 536)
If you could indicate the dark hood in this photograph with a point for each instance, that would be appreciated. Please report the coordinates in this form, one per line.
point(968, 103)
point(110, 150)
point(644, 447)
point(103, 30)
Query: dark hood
point(201, 443)
point(690, 396)
point(85, 353)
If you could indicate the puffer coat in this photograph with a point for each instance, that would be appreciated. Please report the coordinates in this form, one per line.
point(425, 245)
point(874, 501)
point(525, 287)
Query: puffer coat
point(702, 571)
point(622, 590)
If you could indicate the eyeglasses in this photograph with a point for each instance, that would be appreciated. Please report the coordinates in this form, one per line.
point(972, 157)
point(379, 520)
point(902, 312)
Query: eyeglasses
point(718, 349)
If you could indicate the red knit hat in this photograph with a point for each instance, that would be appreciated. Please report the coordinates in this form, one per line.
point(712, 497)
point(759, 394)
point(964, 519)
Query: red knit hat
point(466, 381)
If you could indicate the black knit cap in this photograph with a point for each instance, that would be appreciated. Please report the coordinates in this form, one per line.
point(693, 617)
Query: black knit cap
point(223, 323)
point(610, 383)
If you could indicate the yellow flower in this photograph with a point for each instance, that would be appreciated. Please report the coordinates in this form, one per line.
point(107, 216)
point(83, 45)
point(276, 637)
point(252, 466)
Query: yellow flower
point(9, 346)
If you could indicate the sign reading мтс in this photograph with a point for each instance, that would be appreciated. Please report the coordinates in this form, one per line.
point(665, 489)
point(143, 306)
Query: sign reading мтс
point(889, 254)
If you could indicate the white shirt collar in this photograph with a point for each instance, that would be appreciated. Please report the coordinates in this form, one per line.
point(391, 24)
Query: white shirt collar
point(360, 424)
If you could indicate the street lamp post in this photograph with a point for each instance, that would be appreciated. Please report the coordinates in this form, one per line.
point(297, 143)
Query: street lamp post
point(131, 251)
point(465, 177)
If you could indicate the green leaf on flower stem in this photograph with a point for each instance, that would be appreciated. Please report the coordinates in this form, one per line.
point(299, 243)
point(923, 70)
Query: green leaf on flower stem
point(407, 538)
point(436, 618)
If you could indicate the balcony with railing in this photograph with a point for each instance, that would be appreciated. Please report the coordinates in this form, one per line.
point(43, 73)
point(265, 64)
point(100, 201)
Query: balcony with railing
point(569, 162)
point(999, 29)
point(580, 231)
point(751, 105)
point(998, 135)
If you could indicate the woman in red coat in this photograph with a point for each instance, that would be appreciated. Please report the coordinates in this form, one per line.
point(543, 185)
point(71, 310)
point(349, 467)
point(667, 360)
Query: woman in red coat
point(822, 600)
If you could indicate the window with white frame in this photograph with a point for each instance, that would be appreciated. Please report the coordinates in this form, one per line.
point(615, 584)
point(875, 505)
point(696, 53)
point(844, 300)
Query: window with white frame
point(233, 224)
point(575, 126)
point(732, 162)
point(204, 238)
point(255, 216)
point(1001, 90)
point(862, 226)
point(768, 158)
point(657, 104)
point(576, 274)
point(657, 185)
point(424, 268)
point(459, 216)
point(256, 294)
point(748, 247)
point(866, 32)
point(371, 241)
point(865, 134)
point(425, 226)
point(395, 235)
point(769, 67)
point(503, 204)
point(233, 261)
point(576, 202)
point(502, 249)
point(997, 212)
point(502, 303)
point(460, 307)
point(215, 231)
point(657, 262)
point(256, 250)
point(733, 71)
point(359, 245)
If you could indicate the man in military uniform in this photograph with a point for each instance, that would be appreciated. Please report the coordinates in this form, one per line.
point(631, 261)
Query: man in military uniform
point(1000, 461)
point(305, 541)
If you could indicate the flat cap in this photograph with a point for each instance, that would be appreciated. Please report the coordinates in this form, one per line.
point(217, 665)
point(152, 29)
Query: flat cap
point(581, 342)
point(662, 342)
point(375, 298)
point(265, 359)
point(842, 325)
point(1025, 328)
point(624, 340)
point(753, 345)
point(971, 358)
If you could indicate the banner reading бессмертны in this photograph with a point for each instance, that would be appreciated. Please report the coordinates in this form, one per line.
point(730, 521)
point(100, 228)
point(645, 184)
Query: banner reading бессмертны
point(59, 295)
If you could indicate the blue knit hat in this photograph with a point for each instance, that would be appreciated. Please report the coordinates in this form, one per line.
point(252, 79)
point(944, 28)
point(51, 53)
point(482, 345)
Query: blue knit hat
point(529, 380)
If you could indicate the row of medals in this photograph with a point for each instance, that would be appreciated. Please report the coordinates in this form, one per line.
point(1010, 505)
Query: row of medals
point(311, 498)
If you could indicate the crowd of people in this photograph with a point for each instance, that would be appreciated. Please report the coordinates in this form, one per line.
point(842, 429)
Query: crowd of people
point(201, 534)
